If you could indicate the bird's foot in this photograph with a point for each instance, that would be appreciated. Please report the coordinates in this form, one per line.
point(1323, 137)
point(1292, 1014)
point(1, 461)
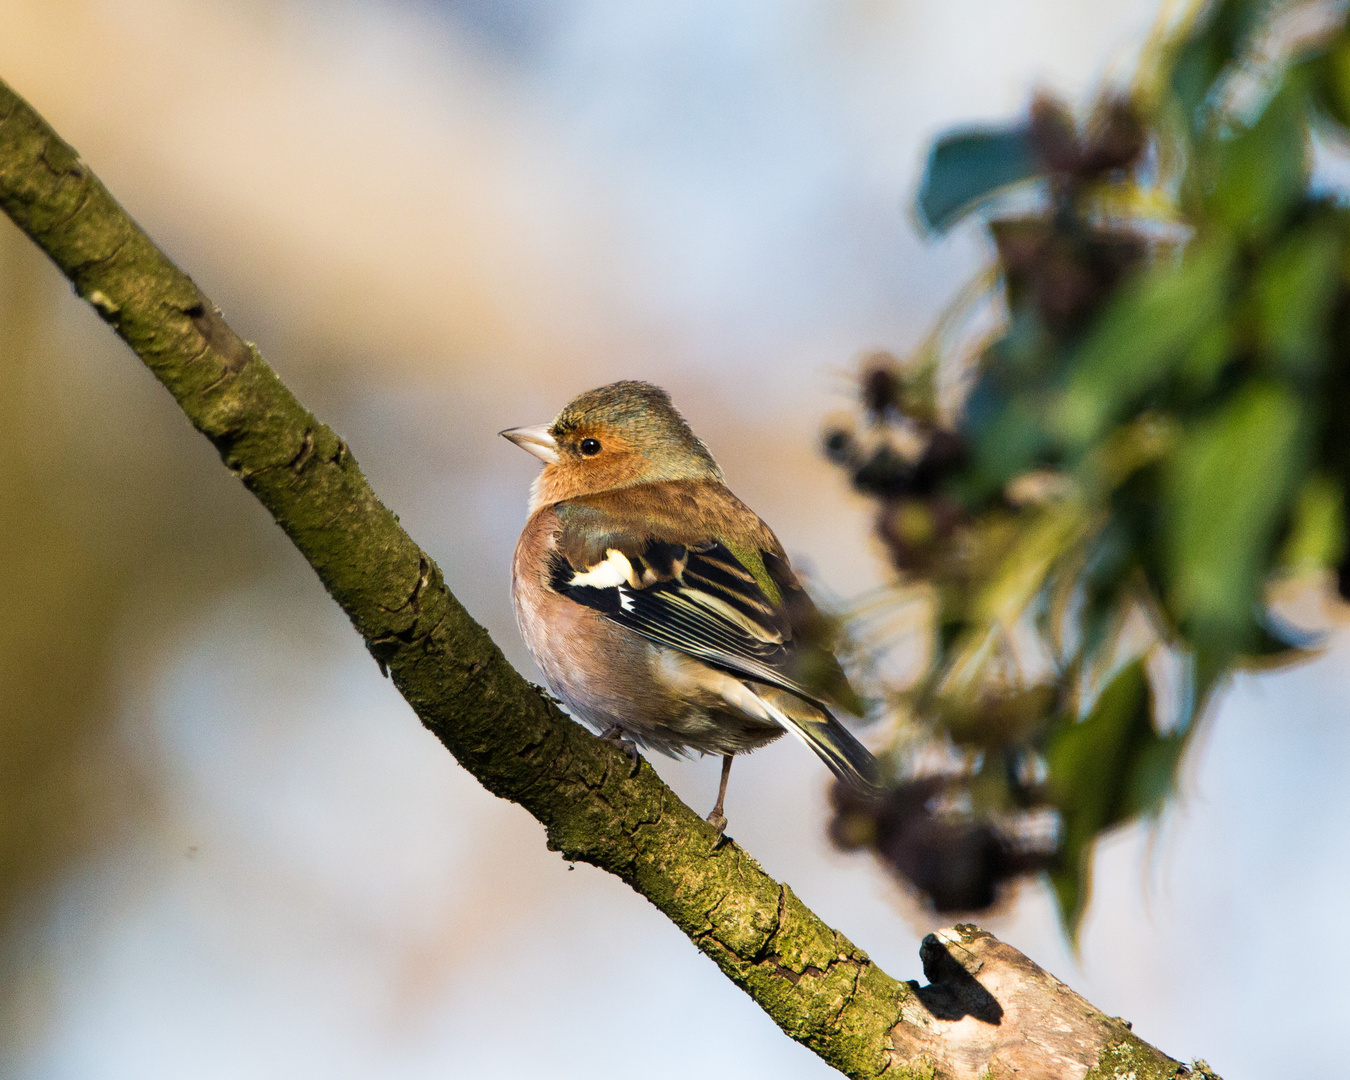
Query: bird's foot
point(614, 734)
point(717, 819)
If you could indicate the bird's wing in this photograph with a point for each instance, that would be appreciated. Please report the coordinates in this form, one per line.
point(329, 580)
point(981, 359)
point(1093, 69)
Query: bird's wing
point(699, 601)
point(688, 566)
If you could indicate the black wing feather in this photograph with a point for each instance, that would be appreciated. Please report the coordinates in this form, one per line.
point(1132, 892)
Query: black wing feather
point(683, 609)
point(703, 602)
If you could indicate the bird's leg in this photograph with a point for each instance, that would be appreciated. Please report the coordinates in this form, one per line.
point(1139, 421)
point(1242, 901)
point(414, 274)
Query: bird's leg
point(717, 819)
point(614, 734)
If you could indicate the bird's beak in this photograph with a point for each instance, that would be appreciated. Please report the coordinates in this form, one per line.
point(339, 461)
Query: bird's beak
point(534, 440)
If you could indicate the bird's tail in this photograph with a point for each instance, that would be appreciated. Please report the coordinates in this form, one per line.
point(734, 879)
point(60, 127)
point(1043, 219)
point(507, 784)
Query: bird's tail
point(844, 755)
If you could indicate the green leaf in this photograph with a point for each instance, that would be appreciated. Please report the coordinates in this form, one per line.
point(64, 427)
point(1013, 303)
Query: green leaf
point(1292, 294)
point(966, 168)
point(1228, 484)
point(1071, 878)
point(1277, 644)
point(1091, 763)
point(1207, 357)
point(1334, 72)
point(1317, 534)
point(1148, 328)
point(1217, 41)
point(1151, 777)
point(1007, 444)
point(1255, 176)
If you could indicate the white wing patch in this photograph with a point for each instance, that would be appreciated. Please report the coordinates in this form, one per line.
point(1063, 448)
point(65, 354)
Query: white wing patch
point(616, 570)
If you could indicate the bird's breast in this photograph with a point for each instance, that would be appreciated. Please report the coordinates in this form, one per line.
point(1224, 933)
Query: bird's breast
point(602, 671)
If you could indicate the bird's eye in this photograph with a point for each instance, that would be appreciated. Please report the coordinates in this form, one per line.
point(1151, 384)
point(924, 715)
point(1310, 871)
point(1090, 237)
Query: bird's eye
point(590, 447)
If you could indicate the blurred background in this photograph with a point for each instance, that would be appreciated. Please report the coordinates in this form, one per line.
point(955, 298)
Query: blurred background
point(227, 848)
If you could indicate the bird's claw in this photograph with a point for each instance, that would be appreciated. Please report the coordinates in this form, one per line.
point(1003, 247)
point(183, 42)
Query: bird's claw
point(615, 735)
point(718, 821)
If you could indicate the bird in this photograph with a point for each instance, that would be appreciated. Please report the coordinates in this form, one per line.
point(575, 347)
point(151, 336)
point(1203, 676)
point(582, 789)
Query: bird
point(662, 612)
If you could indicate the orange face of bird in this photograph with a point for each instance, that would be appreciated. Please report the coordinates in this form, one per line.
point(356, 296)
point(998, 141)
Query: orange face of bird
point(579, 459)
point(619, 435)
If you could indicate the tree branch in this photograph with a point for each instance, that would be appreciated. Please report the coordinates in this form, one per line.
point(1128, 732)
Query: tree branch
point(989, 1009)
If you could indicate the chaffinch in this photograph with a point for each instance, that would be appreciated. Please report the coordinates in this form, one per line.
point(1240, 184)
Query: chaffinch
point(658, 606)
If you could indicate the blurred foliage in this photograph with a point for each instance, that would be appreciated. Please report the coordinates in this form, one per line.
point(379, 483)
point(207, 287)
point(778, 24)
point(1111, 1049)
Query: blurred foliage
point(116, 521)
point(1095, 498)
point(59, 604)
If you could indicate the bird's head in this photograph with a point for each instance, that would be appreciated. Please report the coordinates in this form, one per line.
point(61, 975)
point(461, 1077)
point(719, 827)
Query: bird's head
point(619, 435)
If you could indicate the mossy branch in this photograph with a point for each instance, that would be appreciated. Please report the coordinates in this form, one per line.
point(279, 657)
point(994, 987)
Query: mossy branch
point(816, 985)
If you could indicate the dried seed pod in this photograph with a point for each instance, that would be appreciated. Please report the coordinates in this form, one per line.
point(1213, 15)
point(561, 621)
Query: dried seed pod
point(840, 446)
point(958, 862)
point(1116, 138)
point(881, 384)
point(1054, 136)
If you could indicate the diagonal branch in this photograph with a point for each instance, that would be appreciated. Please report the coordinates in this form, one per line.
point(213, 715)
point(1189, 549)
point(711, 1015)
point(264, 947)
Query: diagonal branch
point(816, 985)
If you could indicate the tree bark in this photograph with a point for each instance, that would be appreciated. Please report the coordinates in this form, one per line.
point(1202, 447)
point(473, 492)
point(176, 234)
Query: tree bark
point(988, 1011)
